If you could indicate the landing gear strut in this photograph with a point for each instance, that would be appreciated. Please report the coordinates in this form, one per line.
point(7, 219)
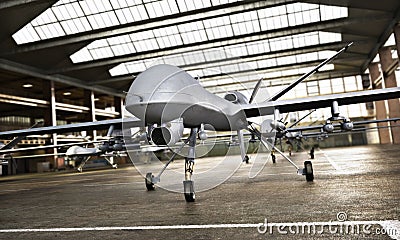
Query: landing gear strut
point(188, 184)
point(307, 170)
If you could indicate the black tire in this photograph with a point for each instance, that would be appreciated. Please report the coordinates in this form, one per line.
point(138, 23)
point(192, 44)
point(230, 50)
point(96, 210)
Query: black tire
point(190, 197)
point(309, 172)
point(149, 184)
point(246, 159)
point(273, 159)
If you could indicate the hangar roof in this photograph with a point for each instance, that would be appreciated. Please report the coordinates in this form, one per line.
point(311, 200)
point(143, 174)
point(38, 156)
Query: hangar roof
point(101, 45)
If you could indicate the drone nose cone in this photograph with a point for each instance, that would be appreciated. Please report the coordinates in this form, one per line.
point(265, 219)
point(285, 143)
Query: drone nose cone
point(163, 77)
point(157, 86)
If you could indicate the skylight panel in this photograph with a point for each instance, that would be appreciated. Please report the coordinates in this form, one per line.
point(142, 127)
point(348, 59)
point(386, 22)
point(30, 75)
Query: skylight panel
point(136, 67)
point(390, 41)
point(81, 56)
point(139, 13)
point(237, 50)
point(119, 70)
point(190, 5)
point(240, 81)
point(177, 60)
point(245, 49)
point(192, 32)
point(301, 13)
point(144, 41)
point(89, 7)
point(243, 23)
point(306, 57)
point(218, 27)
point(167, 37)
point(196, 73)
point(215, 54)
point(194, 57)
point(202, 3)
point(258, 47)
point(97, 14)
point(333, 12)
point(223, 27)
point(55, 30)
point(219, 2)
point(297, 14)
point(131, 67)
point(121, 45)
point(327, 37)
point(103, 52)
point(154, 9)
point(286, 60)
point(125, 15)
point(48, 17)
point(281, 43)
point(246, 66)
point(122, 49)
point(229, 68)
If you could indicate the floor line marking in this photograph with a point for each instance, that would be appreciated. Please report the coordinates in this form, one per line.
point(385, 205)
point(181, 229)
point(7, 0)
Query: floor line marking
point(385, 224)
point(160, 227)
point(334, 165)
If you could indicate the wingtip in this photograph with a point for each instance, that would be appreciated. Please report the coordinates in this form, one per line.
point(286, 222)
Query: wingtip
point(349, 44)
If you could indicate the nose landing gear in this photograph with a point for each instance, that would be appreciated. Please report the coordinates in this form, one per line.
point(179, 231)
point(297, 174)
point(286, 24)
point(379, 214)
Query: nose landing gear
point(188, 183)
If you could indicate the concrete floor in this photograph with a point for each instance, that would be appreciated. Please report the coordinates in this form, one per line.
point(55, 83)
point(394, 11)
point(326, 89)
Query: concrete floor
point(359, 182)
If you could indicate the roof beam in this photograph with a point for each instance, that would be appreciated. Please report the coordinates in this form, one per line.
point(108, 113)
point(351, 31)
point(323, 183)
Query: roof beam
point(382, 39)
point(257, 36)
point(123, 78)
point(38, 73)
point(165, 21)
point(15, 3)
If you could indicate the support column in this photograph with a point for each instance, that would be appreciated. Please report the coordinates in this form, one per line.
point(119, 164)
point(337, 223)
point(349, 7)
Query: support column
point(118, 104)
point(91, 116)
point(387, 61)
point(380, 107)
point(50, 117)
point(397, 38)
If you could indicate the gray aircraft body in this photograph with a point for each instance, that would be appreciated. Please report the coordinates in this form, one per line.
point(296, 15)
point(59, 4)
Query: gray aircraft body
point(164, 93)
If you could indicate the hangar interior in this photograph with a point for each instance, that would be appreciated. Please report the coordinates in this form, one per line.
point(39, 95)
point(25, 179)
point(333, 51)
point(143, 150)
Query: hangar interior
point(71, 61)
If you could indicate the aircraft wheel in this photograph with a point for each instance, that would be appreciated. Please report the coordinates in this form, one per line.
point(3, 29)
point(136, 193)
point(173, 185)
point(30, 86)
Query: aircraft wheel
point(190, 197)
point(149, 183)
point(188, 187)
point(309, 172)
point(246, 159)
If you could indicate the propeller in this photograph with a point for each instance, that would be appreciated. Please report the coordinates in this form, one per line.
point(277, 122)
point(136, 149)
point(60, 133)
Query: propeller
point(255, 90)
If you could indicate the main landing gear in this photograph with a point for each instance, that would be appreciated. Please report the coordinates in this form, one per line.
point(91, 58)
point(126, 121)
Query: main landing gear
point(149, 182)
point(188, 183)
point(307, 171)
